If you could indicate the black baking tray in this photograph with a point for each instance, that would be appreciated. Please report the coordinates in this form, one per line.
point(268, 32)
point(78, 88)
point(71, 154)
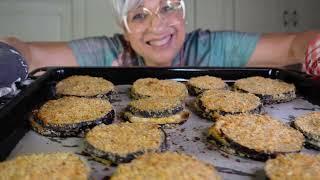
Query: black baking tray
point(14, 116)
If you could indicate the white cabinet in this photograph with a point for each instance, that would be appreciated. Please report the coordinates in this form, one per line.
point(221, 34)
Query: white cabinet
point(276, 15)
point(258, 15)
point(36, 20)
point(213, 14)
point(304, 15)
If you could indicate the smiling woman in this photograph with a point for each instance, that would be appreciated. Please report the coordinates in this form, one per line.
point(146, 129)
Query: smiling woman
point(154, 34)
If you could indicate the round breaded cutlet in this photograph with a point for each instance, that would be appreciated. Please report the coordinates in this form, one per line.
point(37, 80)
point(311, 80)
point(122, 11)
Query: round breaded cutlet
point(168, 165)
point(213, 103)
point(123, 142)
point(44, 166)
point(198, 85)
point(69, 116)
point(268, 90)
point(255, 136)
point(85, 86)
point(294, 167)
point(152, 87)
point(309, 125)
point(156, 110)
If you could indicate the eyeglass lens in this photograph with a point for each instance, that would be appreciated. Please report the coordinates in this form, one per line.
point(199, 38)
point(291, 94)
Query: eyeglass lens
point(141, 18)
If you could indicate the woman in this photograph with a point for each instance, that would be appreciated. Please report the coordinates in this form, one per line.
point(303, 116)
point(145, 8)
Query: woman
point(154, 35)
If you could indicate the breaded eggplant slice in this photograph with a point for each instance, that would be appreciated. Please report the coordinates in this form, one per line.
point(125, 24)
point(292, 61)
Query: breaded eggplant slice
point(309, 125)
point(215, 103)
point(156, 110)
point(120, 143)
point(259, 137)
point(198, 85)
point(86, 86)
point(71, 116)
point(270, 91)
point(294, 167)
point(44, 166)
point(152, 87)
point(168, 165)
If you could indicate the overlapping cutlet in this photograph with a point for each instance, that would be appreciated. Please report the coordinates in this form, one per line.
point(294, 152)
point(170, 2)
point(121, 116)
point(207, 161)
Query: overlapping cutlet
point(309, 125)
point(198, 85)
point(255, 136)
point(215, 103)
point(152, 87)
point(156, 110)
point(268, 90)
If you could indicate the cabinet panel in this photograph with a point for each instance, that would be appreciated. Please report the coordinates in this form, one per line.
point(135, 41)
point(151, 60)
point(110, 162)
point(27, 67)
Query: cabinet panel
point(305, 14)
point(37, 20)
point(214, 14)
point(258, 15)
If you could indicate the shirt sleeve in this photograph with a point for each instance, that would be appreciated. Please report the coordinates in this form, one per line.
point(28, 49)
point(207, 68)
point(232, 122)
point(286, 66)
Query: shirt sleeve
point(97, 51)
point(220, 49)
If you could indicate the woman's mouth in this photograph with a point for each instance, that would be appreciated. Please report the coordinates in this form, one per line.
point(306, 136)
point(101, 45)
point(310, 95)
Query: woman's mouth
point(162, 42)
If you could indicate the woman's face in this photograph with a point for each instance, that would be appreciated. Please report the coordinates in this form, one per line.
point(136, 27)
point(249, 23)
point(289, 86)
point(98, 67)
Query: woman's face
point(156, 30)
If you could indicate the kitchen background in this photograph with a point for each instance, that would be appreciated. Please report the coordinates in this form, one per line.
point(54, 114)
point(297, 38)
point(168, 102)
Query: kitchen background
point(55, 20)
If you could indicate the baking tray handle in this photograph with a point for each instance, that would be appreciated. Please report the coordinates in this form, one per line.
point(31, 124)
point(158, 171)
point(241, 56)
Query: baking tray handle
point(35, 74)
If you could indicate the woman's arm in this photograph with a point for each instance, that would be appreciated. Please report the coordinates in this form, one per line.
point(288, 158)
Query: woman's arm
point(40, 54)
point(281, 49)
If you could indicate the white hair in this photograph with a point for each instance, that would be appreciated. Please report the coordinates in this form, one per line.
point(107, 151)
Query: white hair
point(122, 7)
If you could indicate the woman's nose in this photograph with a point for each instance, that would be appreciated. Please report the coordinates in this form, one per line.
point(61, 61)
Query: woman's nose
point(157, 24)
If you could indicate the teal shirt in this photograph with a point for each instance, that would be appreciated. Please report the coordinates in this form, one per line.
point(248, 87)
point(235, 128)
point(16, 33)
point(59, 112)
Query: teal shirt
point(201, 48)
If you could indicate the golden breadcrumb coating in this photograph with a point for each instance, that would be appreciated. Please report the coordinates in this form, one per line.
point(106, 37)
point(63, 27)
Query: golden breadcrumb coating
point(84, 86)
point(70, 110)
point(229, 101)
point(152, 87)
point(264, 86)
point(126, 138)
point(294, 167)
point(309, 123)
point(44, 166)
point(207, 82)
point(162, 166)
point(259, 132)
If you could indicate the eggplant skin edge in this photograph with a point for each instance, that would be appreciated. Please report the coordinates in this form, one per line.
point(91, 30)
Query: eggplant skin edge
point(268, 99)
point(311, 141)
point(234, 148)
point(69, 130)
point(114, 158)
point(155, 114)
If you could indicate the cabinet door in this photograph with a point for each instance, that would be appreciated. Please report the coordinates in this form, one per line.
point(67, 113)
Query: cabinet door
point(214, 14)
point(36, 20)
point(305, 15)
point(258, 16)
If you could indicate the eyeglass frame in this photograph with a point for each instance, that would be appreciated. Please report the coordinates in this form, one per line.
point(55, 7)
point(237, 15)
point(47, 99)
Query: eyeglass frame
point(125, 17)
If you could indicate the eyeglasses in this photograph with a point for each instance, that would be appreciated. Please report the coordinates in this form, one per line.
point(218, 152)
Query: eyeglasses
point(141, 18)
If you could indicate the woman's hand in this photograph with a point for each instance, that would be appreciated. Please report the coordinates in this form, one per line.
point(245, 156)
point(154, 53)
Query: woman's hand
point(312, 59)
